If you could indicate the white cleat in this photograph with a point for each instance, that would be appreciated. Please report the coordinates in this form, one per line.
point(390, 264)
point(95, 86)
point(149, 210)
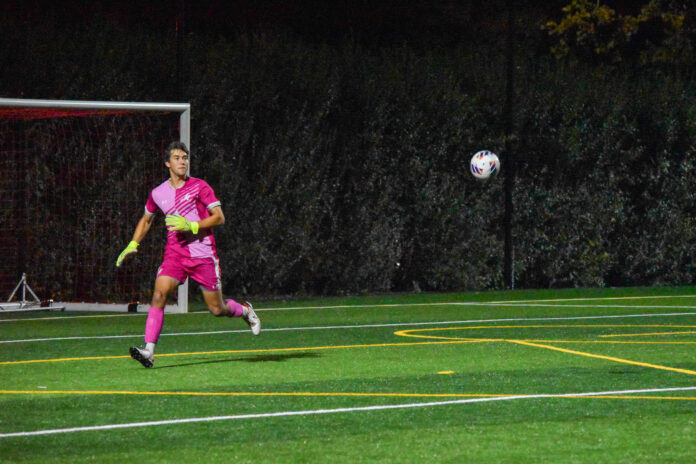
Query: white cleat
point(252, 319)
point(144, 357)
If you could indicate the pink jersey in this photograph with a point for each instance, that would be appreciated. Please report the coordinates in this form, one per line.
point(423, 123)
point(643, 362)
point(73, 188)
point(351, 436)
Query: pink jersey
point(193, 200)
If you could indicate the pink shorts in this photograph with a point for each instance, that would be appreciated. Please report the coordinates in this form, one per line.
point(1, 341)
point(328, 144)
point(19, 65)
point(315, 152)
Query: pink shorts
point(205, 271)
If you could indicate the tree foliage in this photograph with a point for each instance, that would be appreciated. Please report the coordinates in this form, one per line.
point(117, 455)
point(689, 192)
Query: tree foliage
point(661, 32)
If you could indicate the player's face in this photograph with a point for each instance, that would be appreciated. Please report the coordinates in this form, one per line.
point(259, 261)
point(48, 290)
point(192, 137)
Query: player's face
point(178, 162)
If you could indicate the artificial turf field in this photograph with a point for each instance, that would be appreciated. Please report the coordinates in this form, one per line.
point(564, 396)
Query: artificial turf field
point(571, 376)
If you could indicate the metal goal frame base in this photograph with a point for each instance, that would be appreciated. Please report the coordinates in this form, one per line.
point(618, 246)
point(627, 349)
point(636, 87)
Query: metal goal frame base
point(34, 304)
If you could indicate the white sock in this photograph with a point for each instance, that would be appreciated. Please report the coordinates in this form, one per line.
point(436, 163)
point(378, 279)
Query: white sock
point(151, 348)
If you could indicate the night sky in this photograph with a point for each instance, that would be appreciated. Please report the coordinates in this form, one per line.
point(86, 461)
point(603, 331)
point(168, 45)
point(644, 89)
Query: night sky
point(377, 21)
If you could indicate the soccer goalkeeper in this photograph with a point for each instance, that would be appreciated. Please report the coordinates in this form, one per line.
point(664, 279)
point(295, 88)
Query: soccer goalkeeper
point(192, 210)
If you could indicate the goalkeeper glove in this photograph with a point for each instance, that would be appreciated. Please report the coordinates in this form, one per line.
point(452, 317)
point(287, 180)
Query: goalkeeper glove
point(131, 248)
point(176, 222)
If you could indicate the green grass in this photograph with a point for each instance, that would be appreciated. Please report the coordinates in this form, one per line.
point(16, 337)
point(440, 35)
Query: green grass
point(81, 382)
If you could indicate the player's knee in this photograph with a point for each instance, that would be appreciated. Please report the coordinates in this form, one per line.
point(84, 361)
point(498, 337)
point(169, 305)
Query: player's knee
point(158, 298)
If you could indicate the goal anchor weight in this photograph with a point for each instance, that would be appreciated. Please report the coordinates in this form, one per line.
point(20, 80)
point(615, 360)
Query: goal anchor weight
point(26, 305)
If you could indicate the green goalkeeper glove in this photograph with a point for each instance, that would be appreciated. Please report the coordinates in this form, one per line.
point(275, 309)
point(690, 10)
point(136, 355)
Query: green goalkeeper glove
point(131, 248)
point(176, 222)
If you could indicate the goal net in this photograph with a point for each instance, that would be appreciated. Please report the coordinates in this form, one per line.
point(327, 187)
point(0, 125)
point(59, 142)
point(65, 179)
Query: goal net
point(75, 178)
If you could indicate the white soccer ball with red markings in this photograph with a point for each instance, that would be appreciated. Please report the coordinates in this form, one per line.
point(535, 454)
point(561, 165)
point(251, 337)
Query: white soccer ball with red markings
point(484, 164)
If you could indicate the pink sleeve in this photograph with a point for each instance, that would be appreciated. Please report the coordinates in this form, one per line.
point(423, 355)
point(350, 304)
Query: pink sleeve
point(150, 205)
point(207, 196)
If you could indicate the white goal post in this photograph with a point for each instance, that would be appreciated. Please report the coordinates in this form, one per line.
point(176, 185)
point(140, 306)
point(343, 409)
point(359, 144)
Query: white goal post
point(23, 118)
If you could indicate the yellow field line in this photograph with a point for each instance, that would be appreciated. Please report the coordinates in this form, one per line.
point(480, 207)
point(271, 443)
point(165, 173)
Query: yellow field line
point(298, 394)
point(614, 342)
point(328, 394)
point(599, 356)
point(266, 350)
point(540, 326)
point(648, 334)
point(405, 333)
point(409, 333)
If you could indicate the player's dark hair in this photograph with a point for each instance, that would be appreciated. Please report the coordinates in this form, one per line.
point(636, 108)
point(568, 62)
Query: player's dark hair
point(175, 146)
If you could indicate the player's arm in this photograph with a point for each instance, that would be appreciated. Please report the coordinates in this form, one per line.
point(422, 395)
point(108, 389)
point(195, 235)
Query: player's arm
point(176, 222)
point(216, 218)
point(141, 230)
point(143, 227)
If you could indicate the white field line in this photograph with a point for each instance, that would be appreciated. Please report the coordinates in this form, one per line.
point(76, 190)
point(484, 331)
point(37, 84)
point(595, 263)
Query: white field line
point(361, 326)
point(399, 305)
point(599, 298)
point(69, 318)
point(313, 412)
point(547, 305)
point(485, 303)
point(542, 303)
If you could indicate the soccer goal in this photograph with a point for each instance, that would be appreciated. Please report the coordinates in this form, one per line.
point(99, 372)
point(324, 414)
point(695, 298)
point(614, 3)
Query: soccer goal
point(75, 178)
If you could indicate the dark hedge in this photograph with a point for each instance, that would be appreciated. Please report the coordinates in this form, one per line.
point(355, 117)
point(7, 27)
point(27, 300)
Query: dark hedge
point(342, 168)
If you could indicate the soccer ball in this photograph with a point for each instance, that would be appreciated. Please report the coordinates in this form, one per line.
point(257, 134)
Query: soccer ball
point(484, 164)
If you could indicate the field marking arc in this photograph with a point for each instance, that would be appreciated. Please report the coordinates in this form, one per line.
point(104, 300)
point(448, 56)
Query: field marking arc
point(536, 344)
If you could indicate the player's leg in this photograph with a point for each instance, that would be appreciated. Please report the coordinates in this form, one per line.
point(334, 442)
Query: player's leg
point(164, 286)
point(218, 306)
point(207, 273)
point(230, 308)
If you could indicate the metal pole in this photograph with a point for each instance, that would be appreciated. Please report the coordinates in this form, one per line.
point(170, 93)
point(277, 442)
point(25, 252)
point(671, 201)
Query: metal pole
point(509, 163)
point(179, 49)
point(90, 105)
point(184, 136)
point(21, 282)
